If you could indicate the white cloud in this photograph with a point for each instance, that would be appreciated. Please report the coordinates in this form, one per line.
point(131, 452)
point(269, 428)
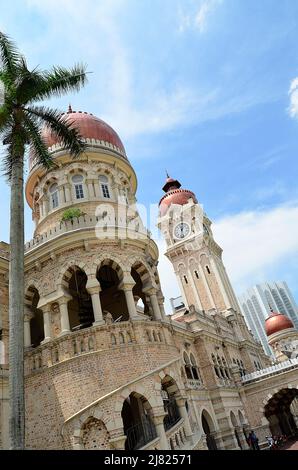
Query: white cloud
point(198, 17)
point(256, 246)
point(293, 93)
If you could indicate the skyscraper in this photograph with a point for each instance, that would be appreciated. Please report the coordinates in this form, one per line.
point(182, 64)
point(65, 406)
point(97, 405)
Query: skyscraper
point(257, 302)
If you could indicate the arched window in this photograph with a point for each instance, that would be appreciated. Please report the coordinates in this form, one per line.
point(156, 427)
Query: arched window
point(78, 186)
point(207, 269)
point(159, 337)
point(216, 369)
point(54, 197)
point(104, 184)
point(194, 368)
point(129, 339)
point(148, 336)
point(154, 336)
point(197, 274)
point(187, 366)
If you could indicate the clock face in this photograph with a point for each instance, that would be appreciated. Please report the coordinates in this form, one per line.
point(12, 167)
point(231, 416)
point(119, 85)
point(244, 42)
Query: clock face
point(181, 230)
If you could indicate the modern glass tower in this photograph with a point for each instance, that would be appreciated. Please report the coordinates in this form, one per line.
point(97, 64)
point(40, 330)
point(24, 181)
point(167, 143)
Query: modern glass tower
point(257, 302)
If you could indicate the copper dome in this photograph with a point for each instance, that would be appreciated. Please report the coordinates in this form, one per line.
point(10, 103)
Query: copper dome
point(89, 126)
point(174, 195)
point(277, 322)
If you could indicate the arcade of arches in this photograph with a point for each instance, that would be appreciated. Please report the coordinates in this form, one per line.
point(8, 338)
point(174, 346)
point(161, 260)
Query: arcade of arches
point(86, 300)
point(282, 412)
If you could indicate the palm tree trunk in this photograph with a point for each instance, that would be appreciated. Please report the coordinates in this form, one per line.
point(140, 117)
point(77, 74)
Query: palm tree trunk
point(16, 308)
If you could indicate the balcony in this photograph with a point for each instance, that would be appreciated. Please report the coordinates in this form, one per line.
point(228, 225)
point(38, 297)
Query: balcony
point(111, 230)
point(193, 384)
point(270, 371)
point(140, 434)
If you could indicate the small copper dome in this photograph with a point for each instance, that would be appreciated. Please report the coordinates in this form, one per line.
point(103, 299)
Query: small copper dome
point(174, 195)
point(277, 322)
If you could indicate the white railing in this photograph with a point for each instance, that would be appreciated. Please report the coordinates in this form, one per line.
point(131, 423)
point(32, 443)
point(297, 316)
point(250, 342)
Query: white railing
point(193, 384)
point(33, 161)
point(88, 221)
point(272, 370)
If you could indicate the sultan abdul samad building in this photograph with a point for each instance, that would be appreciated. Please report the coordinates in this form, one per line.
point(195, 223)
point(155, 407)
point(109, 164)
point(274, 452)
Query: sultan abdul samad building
point(105, 368)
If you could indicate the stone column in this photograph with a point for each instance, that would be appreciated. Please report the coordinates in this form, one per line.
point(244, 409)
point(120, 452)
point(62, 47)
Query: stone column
point(45, 206)
point(65, 327)
point(67, 193)
point(160, 429)
point(61, 195)
point(127, 285)
point(164, 317)
point(154, 302)
point(89, 183)
point(93, 288)
point(28, 315)
point(118, 442)
point(183, 413)
point(46, 323)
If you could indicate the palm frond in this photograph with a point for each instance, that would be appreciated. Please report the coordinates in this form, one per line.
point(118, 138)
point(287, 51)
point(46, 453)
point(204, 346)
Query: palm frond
point(28, 83)
point(5, 116)
point(9, 54)
point(59, 81)
point(37, 144)
point(15, 141)
point(61, 126)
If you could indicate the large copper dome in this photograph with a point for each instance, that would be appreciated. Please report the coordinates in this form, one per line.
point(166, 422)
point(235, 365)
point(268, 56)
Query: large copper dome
point(90, 127)
point(277, 322)
point(174, 195)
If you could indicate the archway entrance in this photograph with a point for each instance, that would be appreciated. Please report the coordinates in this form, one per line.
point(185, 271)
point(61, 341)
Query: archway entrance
point(112, 299)
point(208, 429)
point(139, 296)
point(36, 322)
point(279, 412)
point(235, 425)
point(80, 309)
point(169, 392)
point(137, 422)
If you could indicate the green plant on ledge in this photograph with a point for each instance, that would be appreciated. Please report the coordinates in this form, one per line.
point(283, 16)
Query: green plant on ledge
point(70, 214)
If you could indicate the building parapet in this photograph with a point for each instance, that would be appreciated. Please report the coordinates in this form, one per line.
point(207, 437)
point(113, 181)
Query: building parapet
point(101, 144)
point(269, 371)
point(85, 222)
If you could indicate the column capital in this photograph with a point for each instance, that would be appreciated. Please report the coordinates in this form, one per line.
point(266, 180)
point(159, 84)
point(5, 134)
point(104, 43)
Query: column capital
point(150, 290)
point(28, 315)
point(64, 299)
point(93, 286)
point(127, 282)
point(118, 442)
point(158, 418)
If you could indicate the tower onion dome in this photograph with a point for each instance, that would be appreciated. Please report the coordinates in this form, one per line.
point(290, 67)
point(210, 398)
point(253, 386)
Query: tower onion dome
point(174, 195)
point(89, 127)
point(277, 322)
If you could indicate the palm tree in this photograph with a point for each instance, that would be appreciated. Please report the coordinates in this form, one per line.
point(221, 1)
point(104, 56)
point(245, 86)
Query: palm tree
point(21, 121)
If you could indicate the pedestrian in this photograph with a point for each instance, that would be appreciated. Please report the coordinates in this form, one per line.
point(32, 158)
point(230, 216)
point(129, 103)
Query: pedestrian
point(254, 440)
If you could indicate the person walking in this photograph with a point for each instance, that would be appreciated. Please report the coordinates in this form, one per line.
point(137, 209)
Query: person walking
point(254, 440)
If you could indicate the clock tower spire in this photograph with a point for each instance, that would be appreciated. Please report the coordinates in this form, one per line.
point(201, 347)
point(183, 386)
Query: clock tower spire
point(191, 248)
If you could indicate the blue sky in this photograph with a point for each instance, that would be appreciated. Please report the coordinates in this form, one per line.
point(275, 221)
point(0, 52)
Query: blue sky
point(203, 88)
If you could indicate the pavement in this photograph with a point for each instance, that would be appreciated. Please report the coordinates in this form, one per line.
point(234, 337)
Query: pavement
point(291, 445)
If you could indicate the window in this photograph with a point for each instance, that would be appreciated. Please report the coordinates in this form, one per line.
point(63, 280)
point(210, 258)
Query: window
point(185, 279)
point(78, 186)
point(54, 196)
point(196, 274)
point(104, 183)
point(208, 270)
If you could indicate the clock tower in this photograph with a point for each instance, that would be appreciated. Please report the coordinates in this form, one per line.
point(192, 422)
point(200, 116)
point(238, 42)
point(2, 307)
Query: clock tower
point(195, 255)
